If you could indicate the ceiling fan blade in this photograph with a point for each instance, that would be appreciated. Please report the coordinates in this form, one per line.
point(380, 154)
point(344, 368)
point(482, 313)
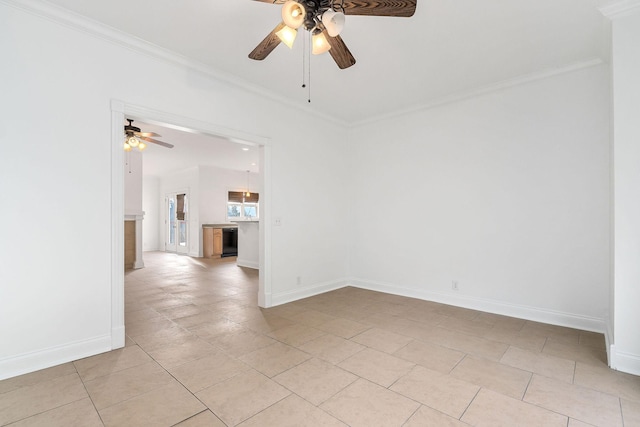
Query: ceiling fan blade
point(266, 46)
point(403, 8)
point(147, 134)
point(339, 51)
point(155, 141)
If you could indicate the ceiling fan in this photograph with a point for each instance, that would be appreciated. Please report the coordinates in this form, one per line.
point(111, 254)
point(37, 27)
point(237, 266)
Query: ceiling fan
point(134, 138)
point(324, 19)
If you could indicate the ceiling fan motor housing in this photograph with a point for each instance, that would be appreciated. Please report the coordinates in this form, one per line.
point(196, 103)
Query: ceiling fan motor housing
point(311, 8)
point(314, 10)
point(130, 127)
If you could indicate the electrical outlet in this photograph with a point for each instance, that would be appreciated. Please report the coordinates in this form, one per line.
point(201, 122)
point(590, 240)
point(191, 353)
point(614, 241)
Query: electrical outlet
point(277, 222)
point(454, 285)
point(298, 280)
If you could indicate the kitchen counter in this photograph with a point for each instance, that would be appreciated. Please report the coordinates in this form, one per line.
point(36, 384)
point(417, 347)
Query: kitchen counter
point(234, 225)
point(248, 244)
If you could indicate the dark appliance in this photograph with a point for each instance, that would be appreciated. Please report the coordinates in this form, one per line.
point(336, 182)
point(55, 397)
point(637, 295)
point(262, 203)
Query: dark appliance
point(229, 242)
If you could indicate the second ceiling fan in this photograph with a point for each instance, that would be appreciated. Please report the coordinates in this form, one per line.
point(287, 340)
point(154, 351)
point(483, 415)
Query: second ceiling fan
point(324, 19)
point(134, 137)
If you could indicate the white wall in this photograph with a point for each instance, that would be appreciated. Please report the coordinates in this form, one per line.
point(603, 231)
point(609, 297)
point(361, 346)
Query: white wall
point(133, 183)
point(55, 79)
point(215, 183)
point(505, 193)
point(151, 205)
point(248, 244)
point(625, 354)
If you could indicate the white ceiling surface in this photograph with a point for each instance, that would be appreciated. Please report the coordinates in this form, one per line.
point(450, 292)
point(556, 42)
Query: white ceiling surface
point(192, 149)
point(448, 47)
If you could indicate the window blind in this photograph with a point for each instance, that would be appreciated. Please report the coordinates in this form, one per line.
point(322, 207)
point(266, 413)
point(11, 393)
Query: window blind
point(239, 197)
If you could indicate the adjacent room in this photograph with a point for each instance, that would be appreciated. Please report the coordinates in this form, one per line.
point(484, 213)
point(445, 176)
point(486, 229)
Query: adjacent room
point(183, 188)
point(438, 201)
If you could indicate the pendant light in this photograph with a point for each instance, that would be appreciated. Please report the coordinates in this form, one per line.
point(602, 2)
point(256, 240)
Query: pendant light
point(248, 193)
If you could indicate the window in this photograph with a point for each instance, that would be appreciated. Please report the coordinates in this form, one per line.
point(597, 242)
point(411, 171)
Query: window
point(182, 207)
point(241, 207)
point(234, 210)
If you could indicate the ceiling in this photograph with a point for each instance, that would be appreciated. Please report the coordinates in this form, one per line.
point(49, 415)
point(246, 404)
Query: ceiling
point(449, 47)
point(192, 149)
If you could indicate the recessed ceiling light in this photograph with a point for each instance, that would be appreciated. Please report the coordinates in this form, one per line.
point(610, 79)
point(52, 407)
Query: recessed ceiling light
point(254, 164)
point(245, 149)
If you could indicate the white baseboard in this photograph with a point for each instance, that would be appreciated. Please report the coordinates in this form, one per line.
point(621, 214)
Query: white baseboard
point(30, 362)
point(305, 292)
point(247, 263)
point(624, 362)
point(490, 306)
point(117, 337)
point(608, 341)
point(265, 301)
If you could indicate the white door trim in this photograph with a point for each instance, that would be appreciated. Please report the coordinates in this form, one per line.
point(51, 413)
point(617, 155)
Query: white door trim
point(118, 111)
point(117, 226)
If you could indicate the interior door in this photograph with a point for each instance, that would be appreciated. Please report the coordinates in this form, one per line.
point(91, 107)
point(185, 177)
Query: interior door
point(177, 223)
point(182, 223)
point(171, 226)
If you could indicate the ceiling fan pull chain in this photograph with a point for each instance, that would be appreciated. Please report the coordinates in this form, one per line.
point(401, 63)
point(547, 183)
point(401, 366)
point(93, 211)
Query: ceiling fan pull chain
point(304, 61)
point(309, 67)
point(309, 81)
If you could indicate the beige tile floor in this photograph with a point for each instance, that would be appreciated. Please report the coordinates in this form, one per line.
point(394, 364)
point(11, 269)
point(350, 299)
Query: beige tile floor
point(199, 352)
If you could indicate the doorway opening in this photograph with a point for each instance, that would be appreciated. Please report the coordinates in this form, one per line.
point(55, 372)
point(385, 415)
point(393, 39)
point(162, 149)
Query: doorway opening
point(184, 219)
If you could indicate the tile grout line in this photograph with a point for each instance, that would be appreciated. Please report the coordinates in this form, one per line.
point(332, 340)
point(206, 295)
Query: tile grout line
point(88, 394)
point(56, 407)
point(412, 414)
point(469, 405)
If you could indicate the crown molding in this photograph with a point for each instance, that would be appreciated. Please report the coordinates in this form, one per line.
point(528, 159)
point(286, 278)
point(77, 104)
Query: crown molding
point(517, 81)
point(102, 31)
point(621, 8)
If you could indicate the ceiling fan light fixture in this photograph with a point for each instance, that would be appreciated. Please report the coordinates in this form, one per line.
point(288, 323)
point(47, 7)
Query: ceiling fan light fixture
point(142, 146)
point(293, 14)
point(127, 147)
point(133, 141)
point(320, 44)
point(333, 21)
point(287, 35)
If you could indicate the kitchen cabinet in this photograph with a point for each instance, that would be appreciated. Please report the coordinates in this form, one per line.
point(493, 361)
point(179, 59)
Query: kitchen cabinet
point(129, 244)
point(211, 241)
point(217, 241)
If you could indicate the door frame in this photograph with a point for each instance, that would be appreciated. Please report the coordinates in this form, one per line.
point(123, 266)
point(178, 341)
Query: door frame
point(166, 231)
point(120, 109)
